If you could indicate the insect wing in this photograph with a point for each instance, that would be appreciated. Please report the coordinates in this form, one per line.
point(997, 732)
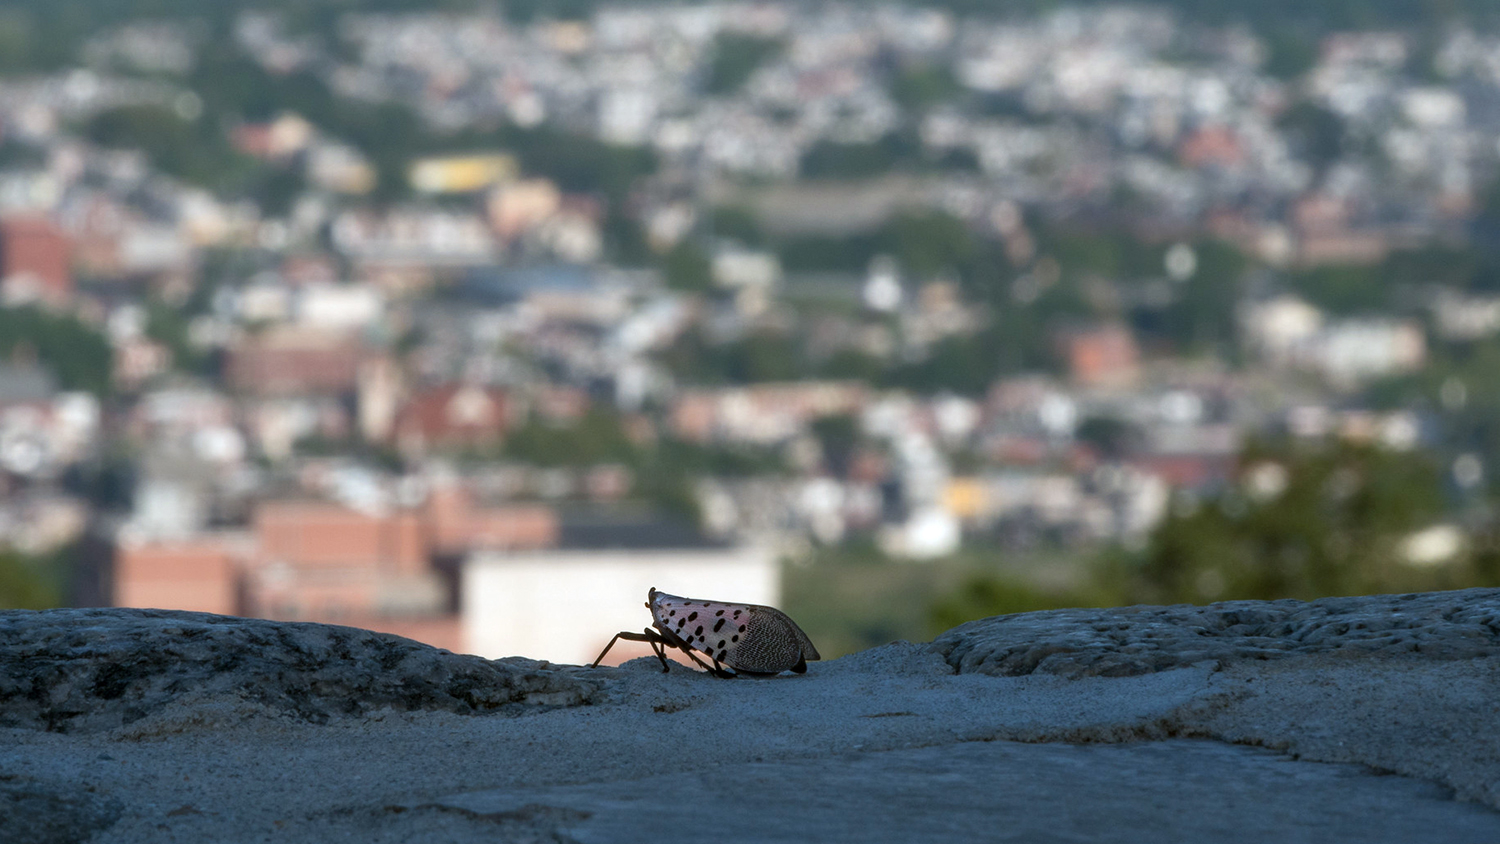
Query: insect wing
point(745, 637)
point(804, 644)
point(710, 627)
point(773, 643)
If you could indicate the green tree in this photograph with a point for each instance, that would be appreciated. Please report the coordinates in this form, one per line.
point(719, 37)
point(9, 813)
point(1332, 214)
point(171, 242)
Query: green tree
point(79, 356)
point(735, 57)
point(1113, 438)
point(982, 596)
point(827, 253)
point(1316, 133)
point(598, 437)
point(26, 583)
point(1343, 288)
point(918, 86)
point(928, 243)
point(1202, 317)
point(1297, 524)
point(188, 149)
point(838, 436)
point(835, 160)
point(738, 222)
point(687, 268)
point(1293, 51)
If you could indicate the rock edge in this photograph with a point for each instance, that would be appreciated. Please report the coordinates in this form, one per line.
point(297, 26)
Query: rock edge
point(86, 670)
point(1129, 641)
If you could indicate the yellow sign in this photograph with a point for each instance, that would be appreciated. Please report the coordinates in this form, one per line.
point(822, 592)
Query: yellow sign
point(462, 173)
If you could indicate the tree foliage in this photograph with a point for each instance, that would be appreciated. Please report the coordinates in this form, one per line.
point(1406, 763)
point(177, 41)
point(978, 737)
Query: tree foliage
point(686, 267)
point(735, 57)
point(917, 86)
point(28, 582)
point(78, 355)
point(1334, 527)
point(1297, 522)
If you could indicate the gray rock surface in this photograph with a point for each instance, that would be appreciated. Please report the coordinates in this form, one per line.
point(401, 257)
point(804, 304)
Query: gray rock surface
point(892, 744)
point(1137, 640)
point(93, 669)
point(1180, 790)
point(53, 813)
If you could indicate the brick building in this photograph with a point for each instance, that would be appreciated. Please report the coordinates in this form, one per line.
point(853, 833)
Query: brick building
point(309, 560)
point(34, 261)
point(289, 362)
point(452, 416)
point(200, 574)
point(1106, 356)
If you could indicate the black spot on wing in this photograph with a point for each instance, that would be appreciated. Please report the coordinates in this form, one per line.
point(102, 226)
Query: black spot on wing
point(693, 617)
point(699, 631)
point(718, 624)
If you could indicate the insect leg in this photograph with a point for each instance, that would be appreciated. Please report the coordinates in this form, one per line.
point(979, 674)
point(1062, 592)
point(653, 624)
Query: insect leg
point(657, 647)
point(720, 672)
point(628, 636)
point(701, 664)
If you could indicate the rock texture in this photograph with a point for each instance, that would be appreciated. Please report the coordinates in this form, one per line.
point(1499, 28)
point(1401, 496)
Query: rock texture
point(100, 669)
point(1139, 640)
point(931, 794)
point(53, 813)
point(1377, 723)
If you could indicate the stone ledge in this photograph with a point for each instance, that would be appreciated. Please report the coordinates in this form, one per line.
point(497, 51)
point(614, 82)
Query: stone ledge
point(86, 670)
point(1129, 641)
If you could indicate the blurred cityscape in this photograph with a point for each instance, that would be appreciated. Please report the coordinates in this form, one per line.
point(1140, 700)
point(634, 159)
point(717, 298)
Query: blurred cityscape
point(467, 324)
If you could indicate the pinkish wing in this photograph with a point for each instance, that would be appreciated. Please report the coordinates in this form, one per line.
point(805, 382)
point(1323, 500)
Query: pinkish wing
point(714, 628)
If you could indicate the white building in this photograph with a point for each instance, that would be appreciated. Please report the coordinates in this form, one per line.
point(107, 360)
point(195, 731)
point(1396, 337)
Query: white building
point(565, 604)
point(1352, 350)
point(1278, 329)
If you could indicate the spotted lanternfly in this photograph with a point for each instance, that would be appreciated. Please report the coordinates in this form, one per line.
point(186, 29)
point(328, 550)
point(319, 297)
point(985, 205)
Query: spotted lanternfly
point(747, 638)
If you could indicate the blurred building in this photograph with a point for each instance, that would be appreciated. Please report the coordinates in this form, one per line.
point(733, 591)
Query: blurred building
point(34, 262)
point(201, 574)
point(313, 560)
point(452, 416)
point(762, 413)
point(291, 362)
point(1106, 356)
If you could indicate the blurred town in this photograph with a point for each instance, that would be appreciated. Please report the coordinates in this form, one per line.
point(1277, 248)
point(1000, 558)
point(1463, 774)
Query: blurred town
point(438, 322)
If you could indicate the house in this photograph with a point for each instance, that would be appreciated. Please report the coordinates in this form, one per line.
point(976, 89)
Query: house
point(199, 574)
point(1105, 356)
point(35, 263)
point(42, 430)
point(457, 522)
point(315, 560)
point(1278, 328)
point(293, 362)
point(764, 413)
point(452, 416)
point(1353, 350)
point(516, 207)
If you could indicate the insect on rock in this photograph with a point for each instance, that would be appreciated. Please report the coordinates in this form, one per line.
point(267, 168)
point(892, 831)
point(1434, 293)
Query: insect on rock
point(736, 638)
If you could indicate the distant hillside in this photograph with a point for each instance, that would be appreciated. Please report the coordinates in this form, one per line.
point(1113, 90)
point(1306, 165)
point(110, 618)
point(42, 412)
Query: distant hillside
point(46, 34)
